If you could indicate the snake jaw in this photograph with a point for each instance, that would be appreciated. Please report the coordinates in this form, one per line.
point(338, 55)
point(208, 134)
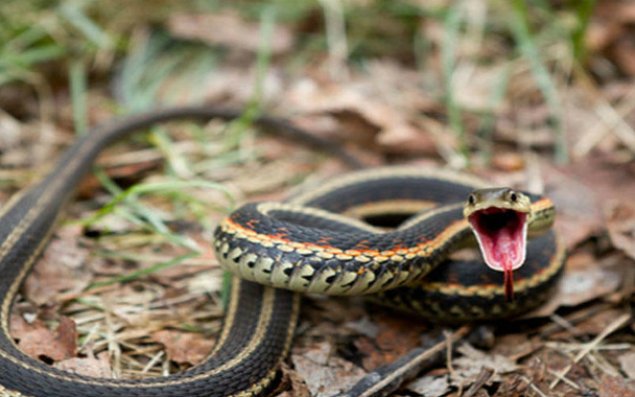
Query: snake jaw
point(502, 238)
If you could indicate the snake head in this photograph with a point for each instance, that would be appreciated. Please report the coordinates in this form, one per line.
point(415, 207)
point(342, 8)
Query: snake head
point(499, 218)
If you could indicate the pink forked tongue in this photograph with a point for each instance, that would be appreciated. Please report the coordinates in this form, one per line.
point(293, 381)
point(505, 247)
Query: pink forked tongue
point(501, 237)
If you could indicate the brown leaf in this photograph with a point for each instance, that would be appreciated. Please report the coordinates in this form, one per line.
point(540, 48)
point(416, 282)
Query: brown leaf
point(37, 341)
point(96, 367)
point(580, 285)
point(381, 107)
point(184, 347)
point(395, 336)
point(621, 226)
point(60, 268)
point(324, 373)
point(578, 211)
point(584, 191)
point(468, 367)
point(229, 29)
point(430, 386)
point(293, 384)
point(508, 161)
point(627, 363)
point(614, 386)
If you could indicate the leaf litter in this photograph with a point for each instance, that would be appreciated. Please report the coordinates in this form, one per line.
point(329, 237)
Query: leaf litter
point(389, 113)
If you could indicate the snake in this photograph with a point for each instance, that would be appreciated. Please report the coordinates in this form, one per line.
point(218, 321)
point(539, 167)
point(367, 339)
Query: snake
point(389, 233)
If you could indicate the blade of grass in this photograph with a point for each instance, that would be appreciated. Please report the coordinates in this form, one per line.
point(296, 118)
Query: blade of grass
point(131, 195)
point(452, 25)
point(72, 12)
point(237, 128)
point(487, 122)
point(79, 97)
point(128, 206)
point(177, 164)
point(520, 29)
point(143, 272)
point(584, 10)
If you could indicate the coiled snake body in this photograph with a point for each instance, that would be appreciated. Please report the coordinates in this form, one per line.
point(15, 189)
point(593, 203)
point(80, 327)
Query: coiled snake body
point(305, 244)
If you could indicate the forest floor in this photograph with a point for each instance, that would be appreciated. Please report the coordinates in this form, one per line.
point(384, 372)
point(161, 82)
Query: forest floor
point(539, 98)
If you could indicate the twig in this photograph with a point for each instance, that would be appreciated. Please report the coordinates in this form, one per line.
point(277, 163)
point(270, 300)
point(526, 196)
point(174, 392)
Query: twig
point(612, 117)
point(574, 318)
point(614, 326)
point(482, 378)
point(564, 379)
point(533, 386)
point(386, 379)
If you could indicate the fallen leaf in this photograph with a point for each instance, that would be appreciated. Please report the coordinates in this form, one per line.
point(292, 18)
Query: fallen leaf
point(96, 367)
point(627, 363)
point(468, 367)
point(10, 128)
point(60, 268)
point(324, 373)
point(595, 324)
point(508, 161)
point(614, 386)
point(580, 285)
point(430, 386)
point(293, 381)
point(234, 86)
point(184, 347)
point(379, 108)
point(39, 342)
point(231, 30)
point(364, 326)
point(621, 226)
point(396, 335)
point(579, 214)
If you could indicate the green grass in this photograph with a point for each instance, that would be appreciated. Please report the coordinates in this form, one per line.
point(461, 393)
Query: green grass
point(144, 272)
point(527, 47)
point(452, 25)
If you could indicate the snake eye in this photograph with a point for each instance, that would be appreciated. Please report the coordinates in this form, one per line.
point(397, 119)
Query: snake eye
point(513, 196)
point(471, 199)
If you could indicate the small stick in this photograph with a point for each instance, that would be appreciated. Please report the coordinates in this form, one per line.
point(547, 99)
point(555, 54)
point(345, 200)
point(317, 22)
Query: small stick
point(533, 386)
point(482, 378)
point(388, 378)
point(614, 326)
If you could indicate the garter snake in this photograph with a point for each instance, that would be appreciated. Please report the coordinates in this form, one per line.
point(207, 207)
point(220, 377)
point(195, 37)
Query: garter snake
point(260, 320)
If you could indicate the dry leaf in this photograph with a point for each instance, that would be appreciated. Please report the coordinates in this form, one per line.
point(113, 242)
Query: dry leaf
point(395, 336)
point(380, 107)
point(627, 363)
point(614, 386)
point(429, 386)
point(468, 367)
point(60, 268)
point(229, 29)
point(293, 381)
point(621, 226)
point(583, 192)
point(10, 128)
point(580, 285)
point(578, 211)
point(508, 161)
point(39, 342)
point(184, 347)
point(89, 366)
point(324, 373)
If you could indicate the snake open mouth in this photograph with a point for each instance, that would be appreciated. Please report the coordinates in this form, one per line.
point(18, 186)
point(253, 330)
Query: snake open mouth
point(502, 235)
